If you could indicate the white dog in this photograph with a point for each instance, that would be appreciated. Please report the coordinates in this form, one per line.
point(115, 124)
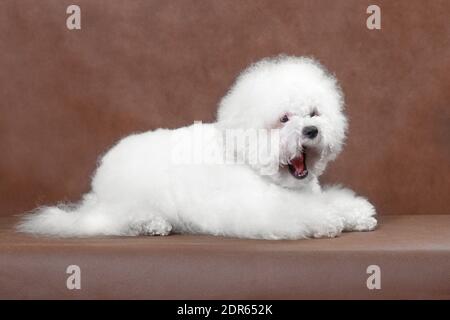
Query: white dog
point(149, 183)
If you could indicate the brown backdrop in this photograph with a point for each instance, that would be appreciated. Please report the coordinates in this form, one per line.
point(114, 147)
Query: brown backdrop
point(66, 96)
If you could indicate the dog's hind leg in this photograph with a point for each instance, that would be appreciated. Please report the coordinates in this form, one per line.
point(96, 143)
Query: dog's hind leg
point(155, 226)
point(92, 217)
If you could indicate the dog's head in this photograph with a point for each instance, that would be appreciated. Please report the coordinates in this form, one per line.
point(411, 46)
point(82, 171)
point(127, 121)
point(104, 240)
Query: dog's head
point(300, 99)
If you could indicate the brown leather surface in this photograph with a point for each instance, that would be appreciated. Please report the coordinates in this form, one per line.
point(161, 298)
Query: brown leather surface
point(66, 96)
point(413, 253)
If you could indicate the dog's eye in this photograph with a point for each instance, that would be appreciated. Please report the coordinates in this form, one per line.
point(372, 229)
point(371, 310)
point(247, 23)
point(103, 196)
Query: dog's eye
point(313, 113)
point(284, 119)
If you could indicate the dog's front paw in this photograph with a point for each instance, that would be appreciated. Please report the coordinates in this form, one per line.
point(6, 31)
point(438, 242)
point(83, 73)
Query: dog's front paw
point(360, 216)
point(365, 224)
point(331, 228)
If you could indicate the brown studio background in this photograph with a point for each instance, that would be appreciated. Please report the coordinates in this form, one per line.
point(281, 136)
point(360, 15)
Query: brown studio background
point(67, 96)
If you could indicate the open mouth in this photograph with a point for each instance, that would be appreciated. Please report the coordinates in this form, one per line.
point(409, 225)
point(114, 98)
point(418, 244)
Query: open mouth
point(297, 167)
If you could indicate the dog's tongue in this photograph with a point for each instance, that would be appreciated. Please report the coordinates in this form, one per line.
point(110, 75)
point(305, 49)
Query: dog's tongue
point(299, 164)
point(297, 167)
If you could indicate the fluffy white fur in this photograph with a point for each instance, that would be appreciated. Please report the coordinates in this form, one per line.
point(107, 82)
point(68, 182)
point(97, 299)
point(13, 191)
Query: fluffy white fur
point(139, 190)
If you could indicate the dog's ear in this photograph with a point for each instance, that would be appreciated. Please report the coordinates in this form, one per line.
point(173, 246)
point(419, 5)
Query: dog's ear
point(268, 152)
point(329, 153)
point(257, 148)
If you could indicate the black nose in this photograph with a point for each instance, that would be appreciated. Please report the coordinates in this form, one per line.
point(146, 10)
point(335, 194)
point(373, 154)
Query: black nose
point(310, 132)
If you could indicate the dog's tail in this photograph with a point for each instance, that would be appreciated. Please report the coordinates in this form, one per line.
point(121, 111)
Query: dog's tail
point(84, 219)
point(56, 221)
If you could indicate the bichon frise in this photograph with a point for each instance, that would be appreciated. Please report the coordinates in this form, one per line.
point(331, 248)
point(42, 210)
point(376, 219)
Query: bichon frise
point(252, 174)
